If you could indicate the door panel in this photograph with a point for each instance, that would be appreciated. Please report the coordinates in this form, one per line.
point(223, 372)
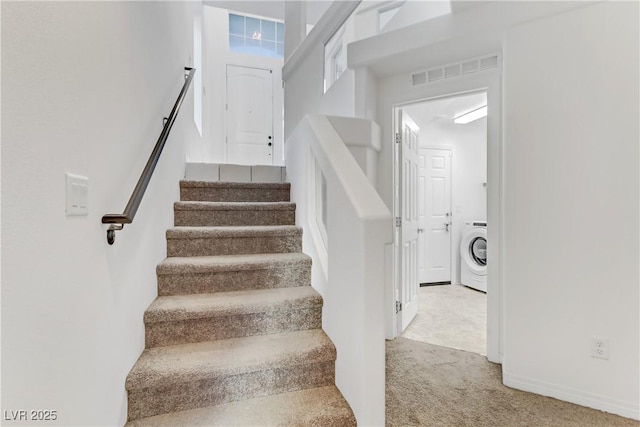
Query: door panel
point(249, 116)
point(437, 233)
point(409, 161)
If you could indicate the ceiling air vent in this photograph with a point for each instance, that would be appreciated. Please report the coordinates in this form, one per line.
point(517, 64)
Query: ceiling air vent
point(489, 63)
point(419, 78)
point(470, 67)
point(455, 70)
point(435, 74)
point(451, 71)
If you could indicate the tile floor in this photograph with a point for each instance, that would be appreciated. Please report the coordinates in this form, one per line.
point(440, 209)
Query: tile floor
point(451, 316)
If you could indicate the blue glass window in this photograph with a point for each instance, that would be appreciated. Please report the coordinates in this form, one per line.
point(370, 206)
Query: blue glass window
point(255, 36)
point(252, 29)
point(236, 25)
point(269, 31)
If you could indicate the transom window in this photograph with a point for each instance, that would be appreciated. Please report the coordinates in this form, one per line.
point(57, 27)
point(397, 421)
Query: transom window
point(256, 36)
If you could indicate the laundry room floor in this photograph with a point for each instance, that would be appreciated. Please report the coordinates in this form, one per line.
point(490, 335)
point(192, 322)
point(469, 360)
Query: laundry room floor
point(451, 316)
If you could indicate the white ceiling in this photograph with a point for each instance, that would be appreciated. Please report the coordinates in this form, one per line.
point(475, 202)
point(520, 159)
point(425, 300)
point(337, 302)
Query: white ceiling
point(444, 110)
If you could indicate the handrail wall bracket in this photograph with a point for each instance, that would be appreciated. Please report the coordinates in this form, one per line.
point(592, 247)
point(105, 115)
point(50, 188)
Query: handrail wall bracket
point(111, 232)
point(117, 221)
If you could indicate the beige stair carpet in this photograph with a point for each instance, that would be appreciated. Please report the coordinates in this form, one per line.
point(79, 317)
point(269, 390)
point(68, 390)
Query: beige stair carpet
point(234, 337)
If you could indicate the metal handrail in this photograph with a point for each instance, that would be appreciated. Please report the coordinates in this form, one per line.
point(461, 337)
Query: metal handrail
point(118, 221)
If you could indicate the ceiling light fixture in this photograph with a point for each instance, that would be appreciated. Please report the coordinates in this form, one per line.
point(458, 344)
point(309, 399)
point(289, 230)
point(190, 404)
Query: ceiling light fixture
point(476, 114)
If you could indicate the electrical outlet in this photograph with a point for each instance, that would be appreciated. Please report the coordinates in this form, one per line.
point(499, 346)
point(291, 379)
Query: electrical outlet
point(600, 348)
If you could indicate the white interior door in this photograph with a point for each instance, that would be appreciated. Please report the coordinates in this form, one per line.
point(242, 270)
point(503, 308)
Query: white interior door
point(249, 116)
point(436, 221)
point(407, 141)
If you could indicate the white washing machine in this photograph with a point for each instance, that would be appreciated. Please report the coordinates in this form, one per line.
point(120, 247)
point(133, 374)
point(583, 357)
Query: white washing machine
point(473, 255)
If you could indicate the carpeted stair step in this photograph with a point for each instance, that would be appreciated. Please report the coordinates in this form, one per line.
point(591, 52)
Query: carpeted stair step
point(196, 214)
point(203, 191)
point(202, 241)
point(191, 275)
point(182, 319)
point(188, 376)
point(320, 406)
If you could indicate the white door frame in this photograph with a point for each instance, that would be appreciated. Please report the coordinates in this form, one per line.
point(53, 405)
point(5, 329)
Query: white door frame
point(490, 82)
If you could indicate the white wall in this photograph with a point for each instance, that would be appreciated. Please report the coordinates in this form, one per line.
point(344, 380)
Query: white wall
point(304, 91)
point(468, 143)
point(572, 252)
point(304, 73)
point(413, 12)
point(85, 86)
point(216, 58)
point(350, 265)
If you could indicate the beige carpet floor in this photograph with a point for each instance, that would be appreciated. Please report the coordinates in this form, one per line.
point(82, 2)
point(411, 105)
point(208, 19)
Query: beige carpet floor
point(429, 385)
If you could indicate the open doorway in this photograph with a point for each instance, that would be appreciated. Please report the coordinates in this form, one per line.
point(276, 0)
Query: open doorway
point(442, 194)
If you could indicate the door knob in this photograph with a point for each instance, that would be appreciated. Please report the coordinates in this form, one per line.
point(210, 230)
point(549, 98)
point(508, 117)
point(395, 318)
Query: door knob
point(269, 144)
point(420, 230)
point(446, 225)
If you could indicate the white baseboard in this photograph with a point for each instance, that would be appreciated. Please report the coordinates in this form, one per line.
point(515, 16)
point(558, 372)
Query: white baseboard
point(602, 403)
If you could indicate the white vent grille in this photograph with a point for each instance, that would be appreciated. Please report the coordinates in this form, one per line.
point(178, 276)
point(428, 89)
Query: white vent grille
point(489, 63)
point(435, 74)
point(451, 71)
point(419, 78)
point(455, 70)
point(470, 67)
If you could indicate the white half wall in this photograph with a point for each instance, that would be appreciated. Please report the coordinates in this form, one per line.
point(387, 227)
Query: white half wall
point(85, 86)
point(216, 58)
point(572, 219)
point(349, 246)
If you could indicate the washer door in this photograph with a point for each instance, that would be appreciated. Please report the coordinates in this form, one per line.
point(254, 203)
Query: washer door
point(473, 251)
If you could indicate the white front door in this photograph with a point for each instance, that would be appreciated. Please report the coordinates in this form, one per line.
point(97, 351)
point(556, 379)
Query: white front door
point(435, 238)
point(407, 142)
point(249, 116)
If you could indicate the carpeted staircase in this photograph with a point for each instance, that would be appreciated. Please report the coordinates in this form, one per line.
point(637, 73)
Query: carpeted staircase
point(234, 337)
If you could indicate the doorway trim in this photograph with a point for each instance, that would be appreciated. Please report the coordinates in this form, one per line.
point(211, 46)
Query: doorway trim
point(489, 82)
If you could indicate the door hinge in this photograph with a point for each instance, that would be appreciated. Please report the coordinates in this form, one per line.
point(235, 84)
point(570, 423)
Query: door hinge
point(398, 307)
point(398, 221)
point(398, 138)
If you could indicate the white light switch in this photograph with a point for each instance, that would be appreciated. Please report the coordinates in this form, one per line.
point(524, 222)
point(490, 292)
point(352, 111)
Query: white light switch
point(77, 195)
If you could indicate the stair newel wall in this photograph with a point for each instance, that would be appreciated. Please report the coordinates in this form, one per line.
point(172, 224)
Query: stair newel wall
point(349, 257)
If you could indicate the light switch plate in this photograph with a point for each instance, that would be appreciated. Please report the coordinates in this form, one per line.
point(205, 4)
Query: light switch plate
point(77, 195)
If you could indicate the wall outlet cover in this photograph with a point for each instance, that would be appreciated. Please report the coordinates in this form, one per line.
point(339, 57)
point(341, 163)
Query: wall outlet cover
point(600, 348)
